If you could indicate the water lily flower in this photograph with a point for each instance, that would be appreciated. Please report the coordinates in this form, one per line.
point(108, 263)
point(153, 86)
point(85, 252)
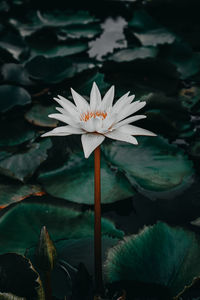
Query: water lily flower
point(99, 118)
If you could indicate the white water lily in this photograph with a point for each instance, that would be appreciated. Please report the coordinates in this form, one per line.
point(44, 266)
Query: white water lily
point(99, 118)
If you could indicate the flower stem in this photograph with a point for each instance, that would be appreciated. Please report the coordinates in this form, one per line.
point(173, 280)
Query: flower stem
point(97, 223)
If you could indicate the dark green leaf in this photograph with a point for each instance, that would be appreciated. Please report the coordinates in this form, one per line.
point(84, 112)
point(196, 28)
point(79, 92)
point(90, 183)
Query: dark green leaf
point(10, 193)
point(22, 165)
point(15, 74)
point(131, 54)
point(38, 115)
point(74, 181)
point(62, 223)
point(159, 254)
point(155, 167)
point(12, 96)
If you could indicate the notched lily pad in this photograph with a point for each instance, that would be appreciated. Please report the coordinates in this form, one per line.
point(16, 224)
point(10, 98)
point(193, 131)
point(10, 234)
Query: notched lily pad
point(38, 115)
point(18, 277)
point(12, 96)
point(74, 181)
point(21, 166)
point(158, 169)
point(62, 223)
point(159, 254)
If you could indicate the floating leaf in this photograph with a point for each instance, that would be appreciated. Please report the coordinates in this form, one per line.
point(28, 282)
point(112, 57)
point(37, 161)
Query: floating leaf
point(10, 193)
point(131, 54)
point(159, 254)
point(157, 168)
point(40, 68)
point(12, 96)
point(148, 31)
point(13, 135)
point(15, 74)
point(75, 32)
point(17, 276)
point(6, 296)
point(38, 115)
point(62, 223)
point(22, 165)
point(74, 181)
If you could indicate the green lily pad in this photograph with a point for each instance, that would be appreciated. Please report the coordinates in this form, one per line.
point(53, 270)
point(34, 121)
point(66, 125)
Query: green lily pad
point(13, 135)
point(74, 181)
point(12, 96)
point(75, 32)
point(40, 68)
point(130, 54)
point(158, 169)
point(159, 254)
point(11, 193)
point(148, 31)
point(22, 165)
point(61, 222)
point(15, 74)
point(59, 50)
point(19, 278)
point(63, 18)
point(38, 115)
point(182, 56)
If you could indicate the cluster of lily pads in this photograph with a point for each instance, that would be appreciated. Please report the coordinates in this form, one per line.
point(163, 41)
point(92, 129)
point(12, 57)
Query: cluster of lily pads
point(46, 185)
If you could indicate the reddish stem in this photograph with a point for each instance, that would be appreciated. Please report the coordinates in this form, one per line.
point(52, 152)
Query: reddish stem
point(97, 223)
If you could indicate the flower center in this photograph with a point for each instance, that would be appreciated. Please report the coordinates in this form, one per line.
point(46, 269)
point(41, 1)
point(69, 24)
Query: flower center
point(92, 115)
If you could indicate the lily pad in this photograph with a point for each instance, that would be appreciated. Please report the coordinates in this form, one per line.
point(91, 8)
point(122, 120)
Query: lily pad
point(74, 181)
point(38, 115)
point(148, 31)
point(74, 32)
point(131, 54)
point(61, 222)
point(190, 98)
point(66, 17)
point(158, 169)
point(40, 68)
point(13, 135)
point(8, 296)
point(11, 193)
point(22, 165)
point(12, 96)
point(19, 277)
point(15, 74)
point(159, 254)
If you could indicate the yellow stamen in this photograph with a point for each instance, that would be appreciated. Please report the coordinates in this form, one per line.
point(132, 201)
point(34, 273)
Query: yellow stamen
point(89, 115)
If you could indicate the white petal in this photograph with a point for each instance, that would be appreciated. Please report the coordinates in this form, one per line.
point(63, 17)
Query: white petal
point(129, 120)
point(88, 126)
point(134, 130)
point(124, 100)
point(108, 99)
point(121, 136)
point(107, 123)
point(67, 105)
point(81, 103)
point(64, 118)
point(63, 130)
point(95, 97)
point(130, 109)
point(90, 142)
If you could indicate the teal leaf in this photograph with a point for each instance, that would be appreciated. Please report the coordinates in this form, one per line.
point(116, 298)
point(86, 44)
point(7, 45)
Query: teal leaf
point(74, 181)
point(159, 254)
